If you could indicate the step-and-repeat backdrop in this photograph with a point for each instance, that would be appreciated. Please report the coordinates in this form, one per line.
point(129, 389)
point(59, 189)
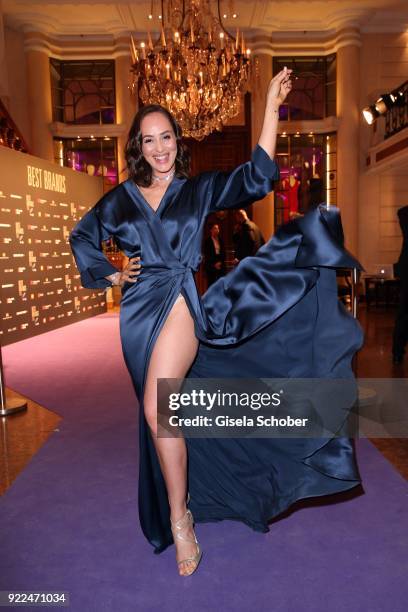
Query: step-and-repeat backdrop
point(40, 203)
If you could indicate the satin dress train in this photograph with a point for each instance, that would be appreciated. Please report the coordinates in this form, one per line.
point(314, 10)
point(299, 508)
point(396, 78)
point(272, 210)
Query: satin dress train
point(276, 314)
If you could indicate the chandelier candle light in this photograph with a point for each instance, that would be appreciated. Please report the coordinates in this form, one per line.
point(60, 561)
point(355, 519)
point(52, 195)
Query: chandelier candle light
point(196, 69)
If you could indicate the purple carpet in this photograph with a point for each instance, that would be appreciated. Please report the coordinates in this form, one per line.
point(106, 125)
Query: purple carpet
point(70, 522)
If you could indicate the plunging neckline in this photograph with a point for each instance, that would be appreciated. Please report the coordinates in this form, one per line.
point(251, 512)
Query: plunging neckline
point(154, 211)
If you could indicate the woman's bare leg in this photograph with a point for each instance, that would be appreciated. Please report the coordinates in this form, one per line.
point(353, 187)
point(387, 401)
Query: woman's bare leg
point(172, 356)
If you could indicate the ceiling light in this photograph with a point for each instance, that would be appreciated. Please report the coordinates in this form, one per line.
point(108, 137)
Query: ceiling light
point(384, 103)
point(195, 68)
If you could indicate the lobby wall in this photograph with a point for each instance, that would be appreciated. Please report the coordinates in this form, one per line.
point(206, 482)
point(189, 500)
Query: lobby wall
point(16, 101)
point(384, 66)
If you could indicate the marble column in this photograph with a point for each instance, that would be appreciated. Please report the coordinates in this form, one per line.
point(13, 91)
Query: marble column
point(263, 211)
point(126, 102)
point(39, 94)
point(348, 113)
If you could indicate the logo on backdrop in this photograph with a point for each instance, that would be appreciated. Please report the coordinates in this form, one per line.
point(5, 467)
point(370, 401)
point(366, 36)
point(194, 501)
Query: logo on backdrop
point(45, 179)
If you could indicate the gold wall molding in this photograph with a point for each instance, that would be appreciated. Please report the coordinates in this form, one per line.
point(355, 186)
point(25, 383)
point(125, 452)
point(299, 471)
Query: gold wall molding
point(75, 47)
point(297, 43)
point(65, 130)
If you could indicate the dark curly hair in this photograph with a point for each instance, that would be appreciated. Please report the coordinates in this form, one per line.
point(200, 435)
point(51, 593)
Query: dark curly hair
point(138, 168)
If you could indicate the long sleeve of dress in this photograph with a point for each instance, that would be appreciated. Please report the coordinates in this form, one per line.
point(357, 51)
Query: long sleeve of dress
point(85, 240)
point(247, 183)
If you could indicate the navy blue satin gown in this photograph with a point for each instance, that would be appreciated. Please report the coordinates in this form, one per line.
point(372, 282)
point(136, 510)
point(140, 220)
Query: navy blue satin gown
point(275, 315)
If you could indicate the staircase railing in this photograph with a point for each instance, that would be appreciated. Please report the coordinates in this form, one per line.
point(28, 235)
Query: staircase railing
point(396, 118)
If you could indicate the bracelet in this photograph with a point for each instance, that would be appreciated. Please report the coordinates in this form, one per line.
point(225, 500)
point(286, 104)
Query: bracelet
point(115, 277)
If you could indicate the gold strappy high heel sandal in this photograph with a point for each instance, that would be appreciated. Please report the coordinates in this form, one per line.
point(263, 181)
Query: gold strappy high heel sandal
point(177, 527)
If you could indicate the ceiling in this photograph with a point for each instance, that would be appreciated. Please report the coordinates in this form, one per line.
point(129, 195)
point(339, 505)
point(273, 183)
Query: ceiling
point(103, 17)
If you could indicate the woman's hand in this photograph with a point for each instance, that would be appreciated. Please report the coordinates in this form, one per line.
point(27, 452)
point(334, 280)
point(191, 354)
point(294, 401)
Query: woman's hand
point(279, 87)
point(133, 268)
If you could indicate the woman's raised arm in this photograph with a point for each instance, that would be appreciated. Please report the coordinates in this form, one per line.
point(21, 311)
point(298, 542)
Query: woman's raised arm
point(252, 180)
point(278, 89)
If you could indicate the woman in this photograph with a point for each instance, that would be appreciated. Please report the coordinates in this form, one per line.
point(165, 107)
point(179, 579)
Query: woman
point(157, 218)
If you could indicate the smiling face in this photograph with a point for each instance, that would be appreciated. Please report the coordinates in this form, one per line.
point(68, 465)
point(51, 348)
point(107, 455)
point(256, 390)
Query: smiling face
point(159, 144)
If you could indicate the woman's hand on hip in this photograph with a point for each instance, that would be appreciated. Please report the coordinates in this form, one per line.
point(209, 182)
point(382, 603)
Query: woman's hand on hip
point(128, 274)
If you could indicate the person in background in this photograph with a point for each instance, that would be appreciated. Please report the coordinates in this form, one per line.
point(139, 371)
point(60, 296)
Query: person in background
point(400, 337)
point(316, 191)
point(247, 236)
point(214, 255)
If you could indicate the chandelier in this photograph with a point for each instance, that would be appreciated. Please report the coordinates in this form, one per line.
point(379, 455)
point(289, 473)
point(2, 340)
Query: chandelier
point(196, 68)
